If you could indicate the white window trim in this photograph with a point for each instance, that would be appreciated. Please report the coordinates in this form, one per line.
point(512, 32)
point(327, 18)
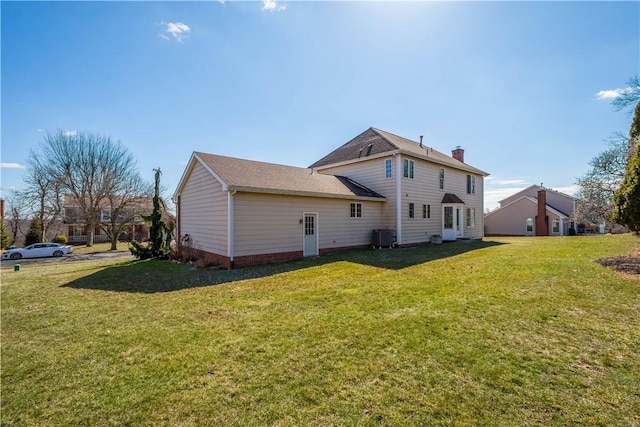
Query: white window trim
point(388, 169)
point(408, 169)
point(353, 210)
point(470, 218)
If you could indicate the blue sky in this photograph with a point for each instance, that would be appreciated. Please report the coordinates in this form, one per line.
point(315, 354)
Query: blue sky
point(524, 87)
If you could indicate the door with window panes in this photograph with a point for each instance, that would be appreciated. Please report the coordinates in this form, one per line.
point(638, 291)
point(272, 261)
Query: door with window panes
point(310, 234)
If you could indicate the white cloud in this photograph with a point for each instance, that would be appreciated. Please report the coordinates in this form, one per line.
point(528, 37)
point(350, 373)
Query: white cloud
point(272, 5)
point(571, 190)
point(178, 30)
point(70, 132)
point(6, 165)
point(611, 93)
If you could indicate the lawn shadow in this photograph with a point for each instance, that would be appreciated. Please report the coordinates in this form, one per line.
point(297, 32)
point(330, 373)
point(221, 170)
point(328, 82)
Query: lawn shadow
point(164, 276)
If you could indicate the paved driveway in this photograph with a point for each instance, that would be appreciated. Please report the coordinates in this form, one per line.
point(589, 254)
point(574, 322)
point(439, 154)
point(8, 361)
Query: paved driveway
point(71, 257)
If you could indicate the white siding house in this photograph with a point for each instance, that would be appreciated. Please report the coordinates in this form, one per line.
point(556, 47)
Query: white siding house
point(241, 212)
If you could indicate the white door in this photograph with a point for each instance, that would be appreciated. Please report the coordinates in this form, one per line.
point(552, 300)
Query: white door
point(310, 234)
point(452, 228)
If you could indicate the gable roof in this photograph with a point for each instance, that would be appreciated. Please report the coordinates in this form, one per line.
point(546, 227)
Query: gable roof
point(537, 188)
point(259, 177)
point(374, 142)
point(535, 202)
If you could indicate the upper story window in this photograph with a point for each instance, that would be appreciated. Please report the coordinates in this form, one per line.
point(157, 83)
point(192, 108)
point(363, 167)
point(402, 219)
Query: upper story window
point(356, 210)
point(408, 168)
point(442, 179)
point(412, 210)
point(471, 184)
point(387, 168)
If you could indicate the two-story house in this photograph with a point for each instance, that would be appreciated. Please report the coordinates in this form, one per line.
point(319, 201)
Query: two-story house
point(534, 211)
point(240, 212)
point(129, 220)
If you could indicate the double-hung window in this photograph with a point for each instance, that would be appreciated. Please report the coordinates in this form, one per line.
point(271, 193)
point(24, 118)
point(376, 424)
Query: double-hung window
point(471, 184)
point(412, 210)
point(408, 168)
point(356, 210)
point(442, 179)
point(471, 217)
point(387, 168)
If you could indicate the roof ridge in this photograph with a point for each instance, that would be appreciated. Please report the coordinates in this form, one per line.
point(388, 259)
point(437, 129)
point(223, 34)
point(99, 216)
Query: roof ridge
point(381, 133)
point(253, 161)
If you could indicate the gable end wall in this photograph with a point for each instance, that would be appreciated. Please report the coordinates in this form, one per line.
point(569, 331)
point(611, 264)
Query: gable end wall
point(203, 212)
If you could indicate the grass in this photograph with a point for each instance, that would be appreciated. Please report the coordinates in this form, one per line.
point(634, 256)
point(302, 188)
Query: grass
point(510, 331)
point(99, 247)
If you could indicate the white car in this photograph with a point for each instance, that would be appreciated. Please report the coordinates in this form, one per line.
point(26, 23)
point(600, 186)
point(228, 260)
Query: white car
point(38, 250)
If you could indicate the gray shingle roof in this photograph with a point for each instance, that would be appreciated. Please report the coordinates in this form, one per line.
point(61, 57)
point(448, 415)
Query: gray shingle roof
point(375, 141)
point(253, 176)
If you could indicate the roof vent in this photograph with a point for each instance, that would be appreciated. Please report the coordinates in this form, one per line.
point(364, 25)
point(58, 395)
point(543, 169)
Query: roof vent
point(360, 152)
point(420, 141)
point(369, 149)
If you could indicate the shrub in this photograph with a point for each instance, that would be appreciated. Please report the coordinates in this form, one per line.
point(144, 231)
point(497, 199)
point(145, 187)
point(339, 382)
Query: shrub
point(60, 239)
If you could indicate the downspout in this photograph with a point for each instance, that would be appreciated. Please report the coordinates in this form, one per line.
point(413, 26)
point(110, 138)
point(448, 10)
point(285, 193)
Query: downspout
point(398, 199)
point(178, 218)
point(230, 228)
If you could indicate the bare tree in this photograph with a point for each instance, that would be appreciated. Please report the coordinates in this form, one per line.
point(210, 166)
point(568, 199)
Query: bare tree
point(629, 96)
point(90, 168)
point(16, 216)
point(43, 193)
point(598, 185)
point(128, 198)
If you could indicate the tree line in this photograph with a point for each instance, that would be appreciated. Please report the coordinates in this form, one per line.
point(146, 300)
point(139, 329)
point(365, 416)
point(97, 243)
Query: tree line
point(610, 190)
point(81, 178)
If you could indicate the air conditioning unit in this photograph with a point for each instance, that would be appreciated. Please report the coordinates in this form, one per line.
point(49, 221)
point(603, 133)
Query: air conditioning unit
point(383, 238)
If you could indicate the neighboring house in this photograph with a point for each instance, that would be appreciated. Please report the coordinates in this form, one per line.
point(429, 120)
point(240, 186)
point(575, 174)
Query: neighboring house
point(534, 211)
point(76, 229)
point(240, 212)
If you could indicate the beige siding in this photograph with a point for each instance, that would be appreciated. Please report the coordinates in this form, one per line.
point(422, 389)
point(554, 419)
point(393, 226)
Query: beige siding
point(203, 211)
point(511, 220)
point(371, 174)
point(266, 223)
point(424, 189)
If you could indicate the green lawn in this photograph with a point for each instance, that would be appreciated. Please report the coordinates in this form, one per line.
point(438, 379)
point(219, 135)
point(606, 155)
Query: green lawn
point(99, 247)
point(509, 331)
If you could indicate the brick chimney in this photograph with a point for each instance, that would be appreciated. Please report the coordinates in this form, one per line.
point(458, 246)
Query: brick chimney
point(542, 220)
point(458, 154)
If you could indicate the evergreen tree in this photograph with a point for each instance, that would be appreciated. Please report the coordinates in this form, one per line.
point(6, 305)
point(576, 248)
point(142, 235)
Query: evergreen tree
point(627, 198)
point(34, 235)
point(160, 234)
point(5, 239)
